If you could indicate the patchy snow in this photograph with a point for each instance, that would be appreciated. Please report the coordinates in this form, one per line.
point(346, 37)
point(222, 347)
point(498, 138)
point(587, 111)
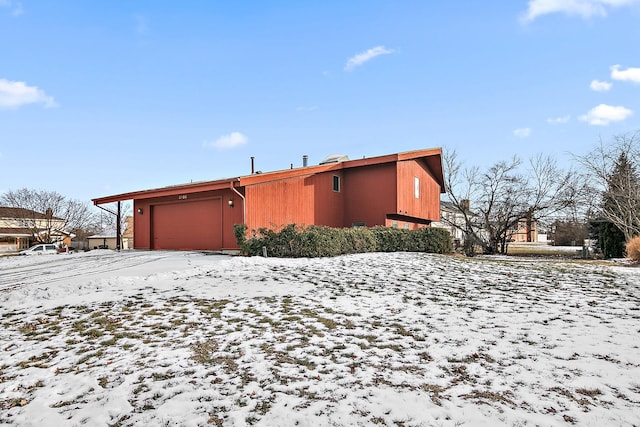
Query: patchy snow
point(189, 339)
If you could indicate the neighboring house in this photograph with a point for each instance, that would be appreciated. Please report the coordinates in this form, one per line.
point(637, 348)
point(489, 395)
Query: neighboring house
point(127, 236)
point(19, 228)
point(397, 190)
point(102, 241)
point(107, 238)
point(525, 231)
point(452, 220)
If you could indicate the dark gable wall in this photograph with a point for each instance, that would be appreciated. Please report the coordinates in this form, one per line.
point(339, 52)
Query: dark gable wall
point(370, 193)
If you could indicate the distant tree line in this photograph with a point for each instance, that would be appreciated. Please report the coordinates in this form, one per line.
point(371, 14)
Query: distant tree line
point(601, 201)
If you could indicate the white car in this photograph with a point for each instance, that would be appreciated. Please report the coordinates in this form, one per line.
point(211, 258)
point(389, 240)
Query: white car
point(41, 249)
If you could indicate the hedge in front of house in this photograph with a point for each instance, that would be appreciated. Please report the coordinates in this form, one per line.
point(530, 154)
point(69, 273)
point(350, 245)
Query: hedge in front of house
point(293, 241)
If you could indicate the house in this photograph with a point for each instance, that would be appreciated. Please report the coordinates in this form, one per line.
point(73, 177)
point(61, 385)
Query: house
point(452, 220)
point(526, 230)
point(396, 190)
point(127, 235)
point(102, 241)
point(107, 238)
point(20, 228)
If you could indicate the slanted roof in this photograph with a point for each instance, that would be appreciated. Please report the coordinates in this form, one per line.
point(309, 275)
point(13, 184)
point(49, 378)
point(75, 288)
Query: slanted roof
point(13, 213)
point(15, 232)
point(430, 158)
point(173, 190)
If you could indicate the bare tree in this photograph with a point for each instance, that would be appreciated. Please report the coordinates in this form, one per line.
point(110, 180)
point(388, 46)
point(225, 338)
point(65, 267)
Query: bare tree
point(613, 172)
point(108, 221)
point(45, 212)
point(503, 195)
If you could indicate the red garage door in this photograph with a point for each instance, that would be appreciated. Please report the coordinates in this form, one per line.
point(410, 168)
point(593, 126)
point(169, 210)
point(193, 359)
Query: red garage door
point(189, 225)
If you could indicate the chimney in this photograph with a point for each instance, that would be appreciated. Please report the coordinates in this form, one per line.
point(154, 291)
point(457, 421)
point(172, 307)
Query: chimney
point(465, 205)
point(305, 161)
point(253, 169)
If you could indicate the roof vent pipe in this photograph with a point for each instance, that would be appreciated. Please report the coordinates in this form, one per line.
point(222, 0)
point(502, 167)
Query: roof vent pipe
point(305, 161)
point(253, 169)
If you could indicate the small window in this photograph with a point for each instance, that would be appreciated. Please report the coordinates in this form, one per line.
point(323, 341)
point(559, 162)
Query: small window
point(405, 226)
point(336, 183)
point(416, 187)
point(358, 224)
point(394, 224)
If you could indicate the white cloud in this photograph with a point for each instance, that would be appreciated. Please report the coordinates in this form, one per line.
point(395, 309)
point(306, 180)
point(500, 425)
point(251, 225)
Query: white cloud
point(16, 7)
point(15, 94)
point(630, 74)
point(604, 114)
point(559, 120)
point(232, 140)
point(599, 86)
point(363, 57)
point(522, 132)
point(582, 8)
point(307, 109)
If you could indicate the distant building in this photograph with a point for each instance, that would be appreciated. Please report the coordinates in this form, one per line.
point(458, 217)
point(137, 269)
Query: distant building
point(21, 228)
point(397, 190)
point(107, 239)
point(525, 231)
point(453, 220)
point(127, 235)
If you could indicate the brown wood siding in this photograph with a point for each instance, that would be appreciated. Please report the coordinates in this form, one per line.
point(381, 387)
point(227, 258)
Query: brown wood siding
point(370, 194)
point(427, 206)
point(329, 204)
point(277, 203)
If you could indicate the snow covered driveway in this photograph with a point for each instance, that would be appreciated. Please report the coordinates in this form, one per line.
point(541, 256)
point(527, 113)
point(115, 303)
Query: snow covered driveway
point(163, 338)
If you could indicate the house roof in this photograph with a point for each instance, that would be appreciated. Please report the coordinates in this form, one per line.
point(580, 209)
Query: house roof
point(11, 212)
point(14, 232)
point(430, 158)
point(102, 236)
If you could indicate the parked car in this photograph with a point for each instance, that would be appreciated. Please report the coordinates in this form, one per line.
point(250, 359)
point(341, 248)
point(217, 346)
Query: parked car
point(42, 249)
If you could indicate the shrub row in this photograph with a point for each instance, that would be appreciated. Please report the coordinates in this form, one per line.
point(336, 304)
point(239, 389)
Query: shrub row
point(318, 241)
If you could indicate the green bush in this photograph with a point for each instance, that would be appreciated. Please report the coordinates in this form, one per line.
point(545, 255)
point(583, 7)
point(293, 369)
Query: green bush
point(320, 241)
point(433, 240)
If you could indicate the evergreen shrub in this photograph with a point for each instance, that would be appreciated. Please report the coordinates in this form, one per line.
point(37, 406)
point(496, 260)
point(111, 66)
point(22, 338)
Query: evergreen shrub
point(320, 241)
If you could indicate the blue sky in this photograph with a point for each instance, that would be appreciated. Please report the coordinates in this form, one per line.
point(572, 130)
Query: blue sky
point(100, 98)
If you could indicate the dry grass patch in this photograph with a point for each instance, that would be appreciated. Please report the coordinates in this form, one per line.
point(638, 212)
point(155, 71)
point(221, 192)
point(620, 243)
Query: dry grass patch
point(633, 249)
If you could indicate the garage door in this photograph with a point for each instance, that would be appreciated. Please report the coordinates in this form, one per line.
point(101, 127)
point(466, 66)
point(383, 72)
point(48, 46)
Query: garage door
point(189, 225)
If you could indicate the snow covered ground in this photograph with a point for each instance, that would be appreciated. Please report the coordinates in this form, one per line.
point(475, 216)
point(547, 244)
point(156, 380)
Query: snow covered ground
point(165, 338)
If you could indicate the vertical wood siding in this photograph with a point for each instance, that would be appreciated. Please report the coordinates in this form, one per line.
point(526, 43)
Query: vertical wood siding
point(427, 206)
point(273, 204)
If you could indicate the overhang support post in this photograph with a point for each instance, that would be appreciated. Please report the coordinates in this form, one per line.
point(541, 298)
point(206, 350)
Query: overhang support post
point(118, 229)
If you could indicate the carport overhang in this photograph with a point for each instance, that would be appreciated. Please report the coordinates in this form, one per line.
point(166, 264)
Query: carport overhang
point(174, 190)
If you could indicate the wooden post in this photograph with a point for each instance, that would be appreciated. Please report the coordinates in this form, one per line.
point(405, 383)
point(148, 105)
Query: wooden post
point(118, 231)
